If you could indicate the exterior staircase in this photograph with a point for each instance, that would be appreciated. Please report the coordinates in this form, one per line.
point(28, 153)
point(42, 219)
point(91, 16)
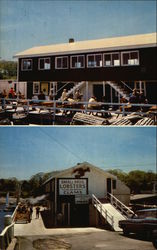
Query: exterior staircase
point(123, 89)
point(113, 211)
point(72, 90)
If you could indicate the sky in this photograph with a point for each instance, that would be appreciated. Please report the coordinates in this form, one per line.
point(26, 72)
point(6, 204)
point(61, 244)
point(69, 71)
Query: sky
point(25, 151)
point(28, 23)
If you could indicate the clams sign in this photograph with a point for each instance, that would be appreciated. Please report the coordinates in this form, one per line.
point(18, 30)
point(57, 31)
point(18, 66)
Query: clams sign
point(72, 186)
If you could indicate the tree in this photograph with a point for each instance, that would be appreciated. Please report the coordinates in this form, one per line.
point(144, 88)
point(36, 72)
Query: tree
point(8, 69)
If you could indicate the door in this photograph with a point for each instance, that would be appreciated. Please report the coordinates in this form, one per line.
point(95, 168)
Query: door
point(98, 91)
point(79, 215)
point(66, 213)
point(109, 185)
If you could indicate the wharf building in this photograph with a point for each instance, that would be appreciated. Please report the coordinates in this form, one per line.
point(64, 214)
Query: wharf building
point(109, 67)
point(85, 195)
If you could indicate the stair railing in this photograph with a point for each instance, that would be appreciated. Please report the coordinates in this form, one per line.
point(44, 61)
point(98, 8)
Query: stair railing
point(126, 85)
point(75, 87)
point(109, 217)
point(119, 205)
point(72, 89)
point(118, 89)
point(62, 87)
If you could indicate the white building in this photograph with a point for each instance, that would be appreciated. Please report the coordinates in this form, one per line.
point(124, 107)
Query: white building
point(83, 192)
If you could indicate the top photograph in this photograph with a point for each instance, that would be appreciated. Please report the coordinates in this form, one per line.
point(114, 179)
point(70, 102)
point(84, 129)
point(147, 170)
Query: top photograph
point(78, 71)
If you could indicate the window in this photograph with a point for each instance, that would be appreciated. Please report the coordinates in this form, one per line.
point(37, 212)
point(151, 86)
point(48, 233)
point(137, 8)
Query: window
point(26, 64)
point(44, 63)
point(111, 59)
point(61, 62)
point(130, 58)
point(36, 88)
point(114, 184)
point(94, 61)
point(77, 61)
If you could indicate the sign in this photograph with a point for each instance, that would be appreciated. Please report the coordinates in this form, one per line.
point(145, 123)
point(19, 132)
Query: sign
point(81, 199)
point(72, 186)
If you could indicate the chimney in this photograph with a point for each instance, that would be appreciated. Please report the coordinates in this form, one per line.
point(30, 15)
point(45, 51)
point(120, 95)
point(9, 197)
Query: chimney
point(71, 40)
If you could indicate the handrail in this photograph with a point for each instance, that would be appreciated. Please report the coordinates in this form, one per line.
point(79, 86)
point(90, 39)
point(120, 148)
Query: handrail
point(126, 85)
point(59, 106)
point(6, 236)
point(109, 216)
point(118, 204)
point(72, 89)
point(62, 87)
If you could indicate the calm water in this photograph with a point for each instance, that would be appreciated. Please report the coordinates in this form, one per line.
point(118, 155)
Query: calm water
point(2, 214)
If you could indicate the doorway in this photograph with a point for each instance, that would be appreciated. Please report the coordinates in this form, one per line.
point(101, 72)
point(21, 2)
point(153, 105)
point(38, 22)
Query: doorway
point(66, 214)
point(79, 215)
point(44, 88)
point(109, 185)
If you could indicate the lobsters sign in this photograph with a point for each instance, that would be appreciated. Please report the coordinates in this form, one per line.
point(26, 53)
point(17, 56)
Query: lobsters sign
point(72, 186)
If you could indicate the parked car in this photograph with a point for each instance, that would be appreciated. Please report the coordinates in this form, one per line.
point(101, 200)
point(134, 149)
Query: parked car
point(144, 222)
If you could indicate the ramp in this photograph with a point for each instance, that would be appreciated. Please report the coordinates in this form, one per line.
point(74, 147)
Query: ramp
point(109, 213)
point(117, 216)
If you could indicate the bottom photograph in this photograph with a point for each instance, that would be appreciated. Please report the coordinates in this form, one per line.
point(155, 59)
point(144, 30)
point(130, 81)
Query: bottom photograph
point(78, 188)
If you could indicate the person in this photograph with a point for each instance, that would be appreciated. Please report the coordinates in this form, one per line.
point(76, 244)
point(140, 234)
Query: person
point(92, 102)
point(31, 212)
point(41, 96)
point(2, 97)
point(20, 95)
point(77, 95)
point(37, 212)
point(64, 95)
point(44, 92)
point(12, 93)
point(134, 99)
point(105, 107)
point(4, 93)
point(143, 100)
point(70, 99)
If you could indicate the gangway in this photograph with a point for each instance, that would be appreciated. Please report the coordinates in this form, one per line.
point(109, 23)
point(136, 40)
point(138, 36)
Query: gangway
point(109, 212)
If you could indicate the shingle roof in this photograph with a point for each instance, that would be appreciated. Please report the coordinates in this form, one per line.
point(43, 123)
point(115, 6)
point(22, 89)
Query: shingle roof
point(132, 41)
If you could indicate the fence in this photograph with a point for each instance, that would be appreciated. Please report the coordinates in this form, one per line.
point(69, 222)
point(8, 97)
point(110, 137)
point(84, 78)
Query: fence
point(96, 107)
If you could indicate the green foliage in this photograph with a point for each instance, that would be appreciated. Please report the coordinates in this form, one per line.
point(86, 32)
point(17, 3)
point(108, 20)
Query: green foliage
point(138, 181)
point(8, 70)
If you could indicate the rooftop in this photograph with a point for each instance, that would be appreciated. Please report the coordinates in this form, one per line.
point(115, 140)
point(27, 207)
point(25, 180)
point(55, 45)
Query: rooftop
point(122, 42)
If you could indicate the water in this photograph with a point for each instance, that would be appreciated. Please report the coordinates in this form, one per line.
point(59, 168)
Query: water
point(2, 214)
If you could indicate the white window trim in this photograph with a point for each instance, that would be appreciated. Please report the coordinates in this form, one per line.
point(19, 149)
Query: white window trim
point(77, 59)
point(61, 57)
point(126, 52)
point(106, 66)
point(44, 62)
point(22, 69)
point(94, 56)
point(38, 83)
